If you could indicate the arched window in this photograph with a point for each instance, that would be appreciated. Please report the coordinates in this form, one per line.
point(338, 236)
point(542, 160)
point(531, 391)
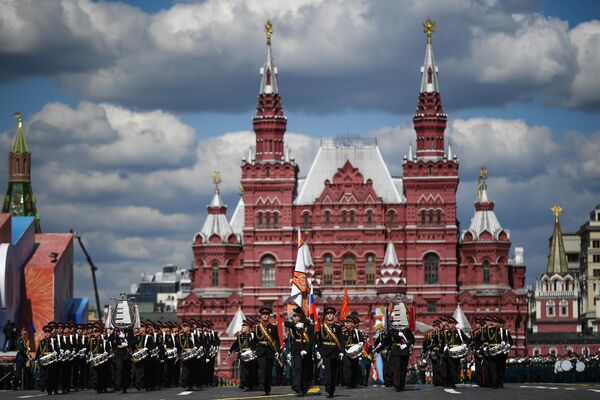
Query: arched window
point(267, 266)
point(268, 220)
point(276, 220)
point(352, 217)
point(349, 270)
point(430, 170)
point(344, 217)
point(370, 269)
point(18, 171)
point(486, 272)
point(327, 218)
point(423, 220)
point(369, 218)
point(327, 270)
point(439, 217)
point(550, 308)
point(431, 262)
point(260, 219)
point(537, 352)
point(552, 351)
point(215, 275)
point(430, 217)
point(564, 308)
point(306, 220)
point(391, 218)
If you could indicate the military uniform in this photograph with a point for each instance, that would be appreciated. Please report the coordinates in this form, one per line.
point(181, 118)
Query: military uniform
point(330, 345)
point(267, 346)
point(170, 343)
point(302, 342)
point(97, 347)
point(22, 363)
point(186, 343)
point(246, 342)
point(399, 343)
point(213, 340)
point(123, 360)
point(49, 374)
point(451, 337)
point(350, 367)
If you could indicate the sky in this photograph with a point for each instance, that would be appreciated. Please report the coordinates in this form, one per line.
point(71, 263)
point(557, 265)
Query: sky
point(130, 106)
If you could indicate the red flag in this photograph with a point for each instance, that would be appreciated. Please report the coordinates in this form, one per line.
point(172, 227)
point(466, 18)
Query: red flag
point(279, 325)
point(344, 309)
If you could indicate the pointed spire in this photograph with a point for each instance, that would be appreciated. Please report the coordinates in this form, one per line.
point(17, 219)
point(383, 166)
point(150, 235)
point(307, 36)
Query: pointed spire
point(268, 83)
point(557, 259)
point(450, 153)
point(216, 222)
point(429, 80)
point(19, 144)
point(216, 200)
point(410, 152)
point(482, 186)
point(390, 259)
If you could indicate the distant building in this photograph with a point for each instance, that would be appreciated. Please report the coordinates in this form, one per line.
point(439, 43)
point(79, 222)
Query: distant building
point(589, 260)
point(36, 270)
point(557, 320)
point(157, 294)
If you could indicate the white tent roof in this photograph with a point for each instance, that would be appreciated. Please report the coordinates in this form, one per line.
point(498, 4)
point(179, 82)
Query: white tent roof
point(463, 322)
point(236, 323)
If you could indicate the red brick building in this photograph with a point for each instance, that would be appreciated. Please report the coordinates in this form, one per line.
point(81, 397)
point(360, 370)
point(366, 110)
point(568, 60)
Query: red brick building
point(370, 232)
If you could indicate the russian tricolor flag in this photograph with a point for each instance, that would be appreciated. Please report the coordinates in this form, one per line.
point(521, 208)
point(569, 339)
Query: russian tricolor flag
point(312, 309)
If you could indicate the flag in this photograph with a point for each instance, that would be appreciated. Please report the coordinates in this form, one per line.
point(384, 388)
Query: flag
point(279, 326)
point(299, 293)
point(344, 309)
point(387, 318)
point(312, 309)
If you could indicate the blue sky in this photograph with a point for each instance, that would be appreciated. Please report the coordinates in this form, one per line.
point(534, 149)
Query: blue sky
point(90, 76)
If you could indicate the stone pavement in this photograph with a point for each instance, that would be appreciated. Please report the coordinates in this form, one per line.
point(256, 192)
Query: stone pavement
point(510, 392)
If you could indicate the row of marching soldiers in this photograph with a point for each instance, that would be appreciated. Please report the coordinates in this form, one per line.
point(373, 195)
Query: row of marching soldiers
point(445, 345)
point(334, 346)
point(153, 356)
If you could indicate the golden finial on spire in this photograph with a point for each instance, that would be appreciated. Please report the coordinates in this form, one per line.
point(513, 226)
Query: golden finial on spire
point(428, 28)
point(241, 189)
point(19, 118)
point(556, 210)
point(269, 31)
point(483, 174)
point(217, 178)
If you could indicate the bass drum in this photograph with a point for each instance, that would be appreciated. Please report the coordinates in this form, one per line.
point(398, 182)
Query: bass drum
point(566, 365)
point(557, 367)
point(580, 366)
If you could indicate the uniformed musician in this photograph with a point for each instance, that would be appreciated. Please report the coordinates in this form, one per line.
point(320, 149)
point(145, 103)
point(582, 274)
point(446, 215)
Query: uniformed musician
point(245, 343)
point(301, 333)
point(400, 341)
point(331, 348)
point(267, 348)
point(350, 368)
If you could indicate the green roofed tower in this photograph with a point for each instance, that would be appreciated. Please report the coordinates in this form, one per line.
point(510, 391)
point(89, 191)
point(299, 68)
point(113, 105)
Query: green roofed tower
point(557, 258)
point(19, 199)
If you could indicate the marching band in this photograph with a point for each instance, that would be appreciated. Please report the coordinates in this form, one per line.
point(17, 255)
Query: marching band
point(159, 355)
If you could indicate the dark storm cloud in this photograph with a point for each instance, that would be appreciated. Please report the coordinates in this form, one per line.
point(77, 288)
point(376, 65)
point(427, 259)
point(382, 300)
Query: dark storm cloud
point(332, 55)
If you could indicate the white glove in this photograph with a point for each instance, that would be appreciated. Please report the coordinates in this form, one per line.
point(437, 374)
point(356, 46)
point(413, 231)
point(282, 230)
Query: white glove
point(341, 356)
point(303, 353)
point(299, 325)
point(403, 346)
point(503, 343)
point(289, 357)
point(318, 355)
point(207, 360)
point(276, 354)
